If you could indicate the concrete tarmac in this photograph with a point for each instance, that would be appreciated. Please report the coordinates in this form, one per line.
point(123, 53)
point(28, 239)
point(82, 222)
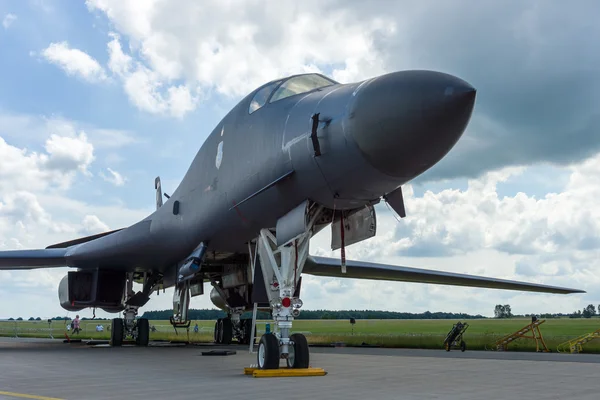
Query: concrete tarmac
point(47, 369)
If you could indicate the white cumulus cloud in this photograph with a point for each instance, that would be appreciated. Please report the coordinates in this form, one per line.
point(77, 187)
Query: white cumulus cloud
point(74, 61)
point(144, 86)
point(64, 157)
point(67, 154)
point(114, 177)
point(92, 225)
point(178, 54)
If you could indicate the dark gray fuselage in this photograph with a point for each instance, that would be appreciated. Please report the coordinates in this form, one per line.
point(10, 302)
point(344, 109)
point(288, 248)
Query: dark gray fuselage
point(374, 136)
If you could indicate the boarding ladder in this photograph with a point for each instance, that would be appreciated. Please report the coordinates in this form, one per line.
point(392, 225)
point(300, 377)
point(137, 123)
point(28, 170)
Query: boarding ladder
point(536, 334)
point(576, 345)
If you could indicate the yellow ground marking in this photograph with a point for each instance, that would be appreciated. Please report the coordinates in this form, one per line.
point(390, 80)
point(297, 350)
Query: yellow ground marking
point(27, 396)
point(283, 372)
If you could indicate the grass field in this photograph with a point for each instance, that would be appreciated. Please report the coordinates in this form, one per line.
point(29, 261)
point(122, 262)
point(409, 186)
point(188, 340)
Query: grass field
point(387, 333)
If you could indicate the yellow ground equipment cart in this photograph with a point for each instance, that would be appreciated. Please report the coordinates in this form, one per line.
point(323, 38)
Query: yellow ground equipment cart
point(536, 334)
point(576, 345)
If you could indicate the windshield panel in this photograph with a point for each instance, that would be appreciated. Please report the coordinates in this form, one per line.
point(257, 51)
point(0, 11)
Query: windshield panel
point(300, 84)
point(261, 97)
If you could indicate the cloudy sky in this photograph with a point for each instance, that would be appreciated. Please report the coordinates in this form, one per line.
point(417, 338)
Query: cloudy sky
point(99, 97)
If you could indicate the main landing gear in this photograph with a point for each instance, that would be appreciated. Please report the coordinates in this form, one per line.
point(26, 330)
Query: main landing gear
point(122, 329)
point(129, 327)
point(232, 327)
point(282, 261)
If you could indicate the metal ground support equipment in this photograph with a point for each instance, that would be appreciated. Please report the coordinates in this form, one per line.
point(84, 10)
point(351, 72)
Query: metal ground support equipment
point(536, 334)
point(454, 338)
point(252, 338)
point(576, 345)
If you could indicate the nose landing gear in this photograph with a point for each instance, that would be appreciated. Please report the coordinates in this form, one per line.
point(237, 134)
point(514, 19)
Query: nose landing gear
point(282, 265)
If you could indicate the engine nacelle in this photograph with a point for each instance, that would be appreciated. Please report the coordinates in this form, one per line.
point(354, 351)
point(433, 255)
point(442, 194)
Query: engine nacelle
point(93, 288)
point(218, 300)
point(63, 295)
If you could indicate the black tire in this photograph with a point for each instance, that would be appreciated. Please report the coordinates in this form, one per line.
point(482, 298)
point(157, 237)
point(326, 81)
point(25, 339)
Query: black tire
point(463, 346)
point(268, 352)
point(143, 332)
point(227, 329)
point(116, 333)
point(217, 334)
point(301, 355)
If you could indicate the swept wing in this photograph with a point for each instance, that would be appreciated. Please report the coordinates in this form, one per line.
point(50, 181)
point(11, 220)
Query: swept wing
point(323, 266)
point(30, 259)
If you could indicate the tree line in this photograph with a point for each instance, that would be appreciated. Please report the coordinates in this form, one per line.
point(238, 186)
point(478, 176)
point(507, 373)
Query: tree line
point(504, 311)
point(588, 312)
point(212, 314)
point(500, 311)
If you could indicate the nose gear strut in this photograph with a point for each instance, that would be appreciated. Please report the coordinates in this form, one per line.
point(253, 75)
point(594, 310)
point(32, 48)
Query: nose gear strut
point(282, 265)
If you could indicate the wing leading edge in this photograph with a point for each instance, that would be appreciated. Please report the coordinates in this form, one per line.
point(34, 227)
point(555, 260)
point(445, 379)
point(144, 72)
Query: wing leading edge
point(322, 266)
point(30, 259)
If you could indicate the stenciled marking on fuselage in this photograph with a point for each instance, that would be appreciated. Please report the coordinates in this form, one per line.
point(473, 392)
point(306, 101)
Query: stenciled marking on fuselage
point(219, 156)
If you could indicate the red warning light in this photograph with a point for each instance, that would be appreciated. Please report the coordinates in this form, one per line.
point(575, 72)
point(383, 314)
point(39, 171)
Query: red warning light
point(286, 302)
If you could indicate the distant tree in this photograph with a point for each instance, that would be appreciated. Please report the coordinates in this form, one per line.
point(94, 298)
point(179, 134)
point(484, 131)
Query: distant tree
point(38, 319)
point(502, 311)
point(31, 319)
point(11, 319)
point(19, 319)
point(589, 311)
point(498, 311)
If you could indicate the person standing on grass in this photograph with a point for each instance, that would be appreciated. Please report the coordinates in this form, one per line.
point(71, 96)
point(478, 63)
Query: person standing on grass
point(76, 325)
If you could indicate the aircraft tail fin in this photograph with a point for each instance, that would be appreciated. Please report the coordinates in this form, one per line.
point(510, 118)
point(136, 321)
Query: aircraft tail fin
point(322, 266)
point(159, 201)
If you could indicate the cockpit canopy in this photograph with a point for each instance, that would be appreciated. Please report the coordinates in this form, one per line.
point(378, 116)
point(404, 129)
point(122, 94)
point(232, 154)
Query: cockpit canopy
point(284, 88)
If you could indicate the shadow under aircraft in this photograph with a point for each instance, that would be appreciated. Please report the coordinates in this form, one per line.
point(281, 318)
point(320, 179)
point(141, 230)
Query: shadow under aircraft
point(295, 156)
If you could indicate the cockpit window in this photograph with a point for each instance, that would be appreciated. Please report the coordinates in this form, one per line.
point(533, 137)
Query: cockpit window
point(260, 98)
point(300, 84)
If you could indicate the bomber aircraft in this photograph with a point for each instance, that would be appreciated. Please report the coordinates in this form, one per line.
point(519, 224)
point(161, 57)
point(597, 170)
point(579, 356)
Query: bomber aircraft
point(293, 157)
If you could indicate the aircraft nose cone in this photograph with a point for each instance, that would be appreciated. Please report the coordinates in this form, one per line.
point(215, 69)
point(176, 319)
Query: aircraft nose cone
point(405, 122)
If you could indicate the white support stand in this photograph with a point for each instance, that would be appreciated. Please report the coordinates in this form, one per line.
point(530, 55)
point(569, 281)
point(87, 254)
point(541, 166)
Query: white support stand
point(254, 313)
